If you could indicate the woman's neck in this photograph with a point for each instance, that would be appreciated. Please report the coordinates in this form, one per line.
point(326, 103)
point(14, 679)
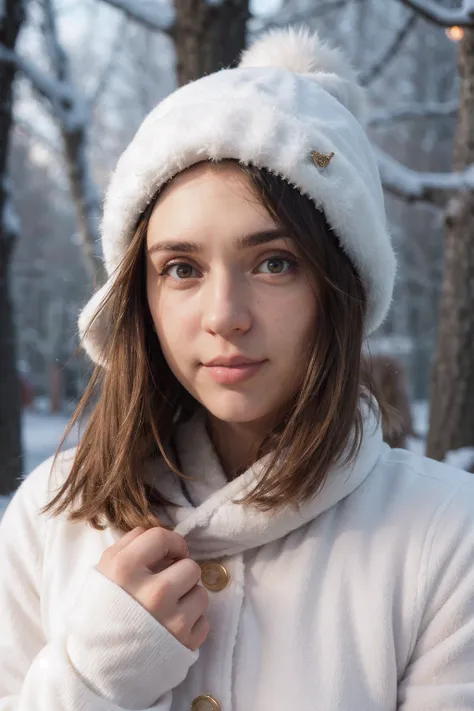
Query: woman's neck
point(236, 444)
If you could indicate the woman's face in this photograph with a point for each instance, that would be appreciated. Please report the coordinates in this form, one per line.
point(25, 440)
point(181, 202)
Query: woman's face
point(224, 283)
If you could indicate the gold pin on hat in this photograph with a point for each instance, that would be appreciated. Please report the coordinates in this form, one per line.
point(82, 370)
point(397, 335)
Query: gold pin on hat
point(321, 160)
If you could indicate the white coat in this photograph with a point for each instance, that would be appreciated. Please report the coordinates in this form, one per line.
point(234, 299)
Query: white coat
point(361, 600)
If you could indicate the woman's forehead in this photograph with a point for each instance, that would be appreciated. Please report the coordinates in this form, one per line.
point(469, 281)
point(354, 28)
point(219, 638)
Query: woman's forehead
point(206, 202)
point(228, 170)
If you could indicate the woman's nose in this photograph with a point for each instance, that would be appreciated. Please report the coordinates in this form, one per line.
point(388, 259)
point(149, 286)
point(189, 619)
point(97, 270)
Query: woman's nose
point(225, 304)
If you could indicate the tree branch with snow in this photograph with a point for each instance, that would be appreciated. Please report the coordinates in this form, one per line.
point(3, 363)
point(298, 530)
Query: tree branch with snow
point(446, 17)
point(109, 65)
point(159, 17)
point(56, 92)
point(25, 127)
point(74, 130)
point(391, 52)
point(413, 186)
point(410, 112)
point(72, 112)
point(289, 15)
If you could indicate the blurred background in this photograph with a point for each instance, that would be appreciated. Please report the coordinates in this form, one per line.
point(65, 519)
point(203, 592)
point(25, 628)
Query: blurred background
point(76, 79)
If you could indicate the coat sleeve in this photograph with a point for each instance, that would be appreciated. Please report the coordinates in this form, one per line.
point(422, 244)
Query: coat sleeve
point(112, 655)
point(440, 674)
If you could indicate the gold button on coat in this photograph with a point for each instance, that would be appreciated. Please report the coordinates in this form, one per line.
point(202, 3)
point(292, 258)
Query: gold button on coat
point(214, 576)
point(205, 703)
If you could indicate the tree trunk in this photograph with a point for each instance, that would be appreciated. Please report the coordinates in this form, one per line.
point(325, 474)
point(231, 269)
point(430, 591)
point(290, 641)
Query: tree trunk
point(452, 395)
point(56, 388)
point(73, 118)
point(86, 201)
point(11, 466)
point(208, 36)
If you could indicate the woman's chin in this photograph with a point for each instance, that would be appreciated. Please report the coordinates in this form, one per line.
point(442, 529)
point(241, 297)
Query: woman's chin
point(236, 407)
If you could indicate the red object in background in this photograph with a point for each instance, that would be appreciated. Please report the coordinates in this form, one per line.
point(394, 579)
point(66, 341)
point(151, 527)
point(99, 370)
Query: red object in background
point(27, 391)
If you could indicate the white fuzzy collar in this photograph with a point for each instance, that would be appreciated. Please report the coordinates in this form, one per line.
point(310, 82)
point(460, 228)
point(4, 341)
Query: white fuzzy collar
point(216, 526)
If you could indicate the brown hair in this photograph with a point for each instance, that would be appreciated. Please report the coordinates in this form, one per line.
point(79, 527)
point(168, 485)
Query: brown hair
point(140, 402)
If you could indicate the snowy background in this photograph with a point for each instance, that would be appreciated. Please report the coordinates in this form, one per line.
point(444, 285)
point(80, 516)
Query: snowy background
point(42, 432)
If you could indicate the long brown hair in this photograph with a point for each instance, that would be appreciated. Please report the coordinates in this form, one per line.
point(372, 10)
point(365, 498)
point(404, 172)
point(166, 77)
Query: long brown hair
point(139, 402)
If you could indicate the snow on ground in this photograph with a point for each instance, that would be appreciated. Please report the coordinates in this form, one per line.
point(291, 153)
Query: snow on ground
point(461, 458)
point(41, 432)
point(420, 417)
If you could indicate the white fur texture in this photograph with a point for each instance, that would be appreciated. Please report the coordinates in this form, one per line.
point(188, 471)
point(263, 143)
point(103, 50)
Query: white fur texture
point(304, 52)
point(269, 117)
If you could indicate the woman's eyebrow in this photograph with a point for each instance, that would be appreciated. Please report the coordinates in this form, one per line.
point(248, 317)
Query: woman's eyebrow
point(251, 240)
point(256, 238)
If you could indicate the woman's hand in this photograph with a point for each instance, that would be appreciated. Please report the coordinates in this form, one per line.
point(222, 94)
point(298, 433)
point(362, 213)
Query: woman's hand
point(154, 568)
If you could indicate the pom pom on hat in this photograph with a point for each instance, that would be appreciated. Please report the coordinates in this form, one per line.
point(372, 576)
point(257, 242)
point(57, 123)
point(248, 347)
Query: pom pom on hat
point(297, 50)
point(301, 51)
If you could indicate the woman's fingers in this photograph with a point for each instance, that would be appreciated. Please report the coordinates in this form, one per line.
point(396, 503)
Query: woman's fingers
point(126, 539)
point(189, 623)
point(194, 603)
point(199, 633)
point(153, 546)
point(181, 577)
point(154, 568)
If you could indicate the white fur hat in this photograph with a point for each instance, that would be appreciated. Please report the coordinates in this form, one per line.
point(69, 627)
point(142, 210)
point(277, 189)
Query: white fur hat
point(292, 102)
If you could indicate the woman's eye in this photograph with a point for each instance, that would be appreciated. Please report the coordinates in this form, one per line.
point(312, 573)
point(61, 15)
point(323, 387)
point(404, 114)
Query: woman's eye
point(183, 270)
point(180, 271)
point(279, 265)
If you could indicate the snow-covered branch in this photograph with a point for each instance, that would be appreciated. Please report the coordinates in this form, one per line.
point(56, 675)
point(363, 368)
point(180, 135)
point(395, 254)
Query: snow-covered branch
point(110, 64)
point(22, 125)
point(159, 17)
point(74, 129)
point(415, 111)
point(56, 52)
point(283, 18)
point(391, 51)
point(49, 88)
point(444, 16)
point(413, 186)
point(72, 112)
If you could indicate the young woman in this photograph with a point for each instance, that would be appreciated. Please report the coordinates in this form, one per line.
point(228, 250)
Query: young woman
point(231, 532)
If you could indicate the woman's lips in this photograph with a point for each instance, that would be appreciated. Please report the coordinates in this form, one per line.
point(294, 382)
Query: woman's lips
point(229, 375)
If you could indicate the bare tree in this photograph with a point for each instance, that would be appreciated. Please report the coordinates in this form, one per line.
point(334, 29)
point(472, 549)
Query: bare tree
point(207, 35)
point(452, 386)
point(452, 397)
point(73, 115)
point(12, 15)
point(71, 111)
point(390, 52)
